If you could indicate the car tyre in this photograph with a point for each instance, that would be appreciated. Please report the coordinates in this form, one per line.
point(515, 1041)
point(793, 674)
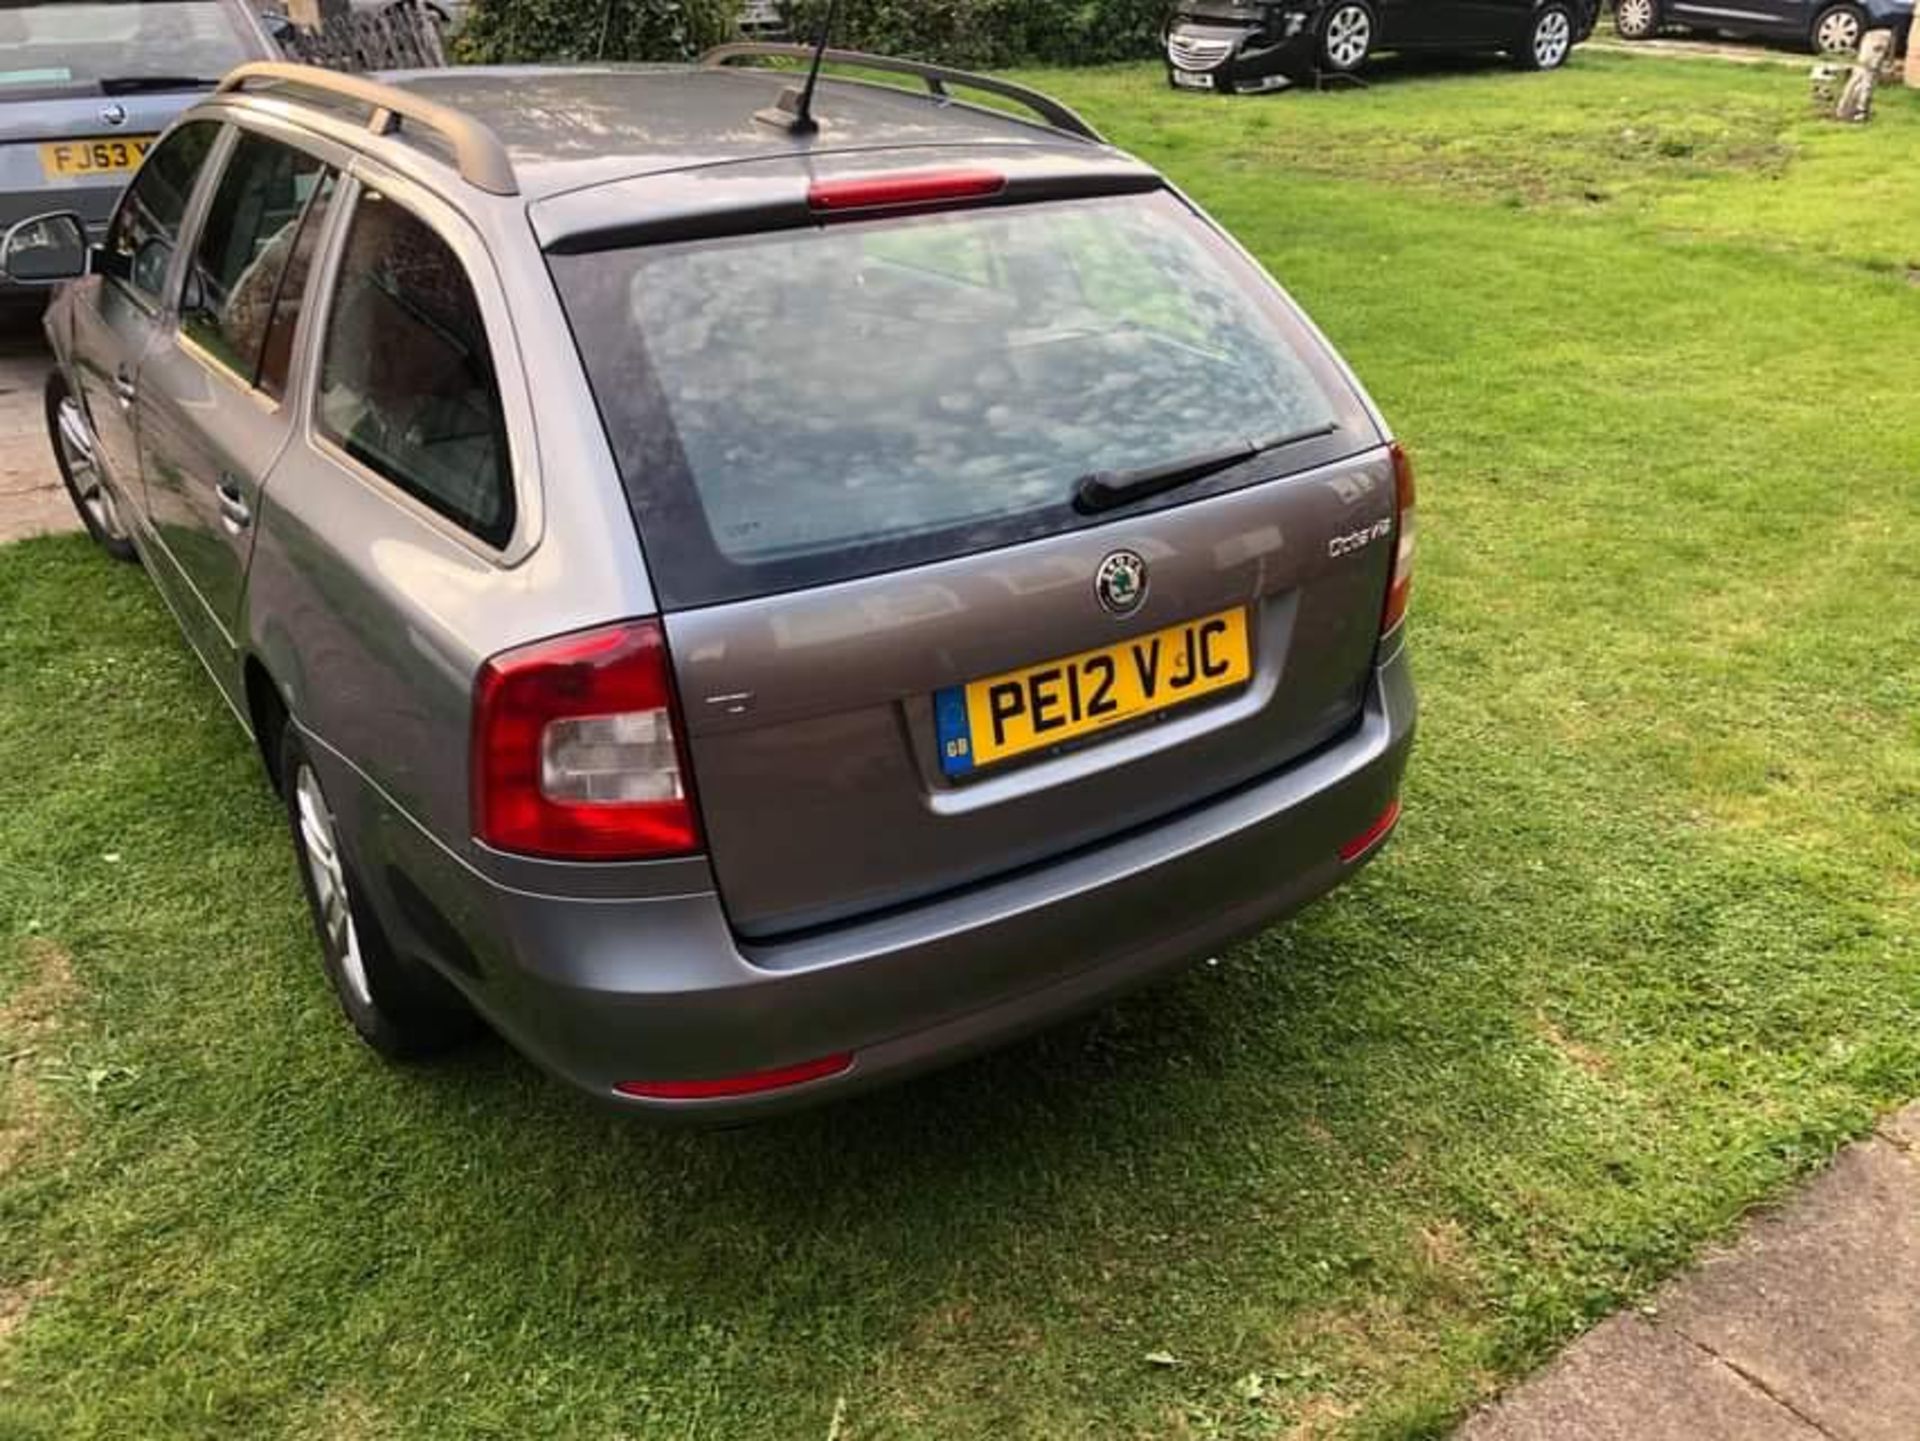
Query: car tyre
point(74, 452)
point(1346, 36)
point(1549, 39)
point(1636, 19)
point(401, 1008)
point(1837, 30)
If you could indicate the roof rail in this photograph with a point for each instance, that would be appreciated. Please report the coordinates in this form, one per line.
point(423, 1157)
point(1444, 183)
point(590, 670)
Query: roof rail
point(477, 152)
point(938, 77)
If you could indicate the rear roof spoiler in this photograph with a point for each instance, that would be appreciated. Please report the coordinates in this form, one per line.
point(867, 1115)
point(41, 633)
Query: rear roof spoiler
point(937, 78)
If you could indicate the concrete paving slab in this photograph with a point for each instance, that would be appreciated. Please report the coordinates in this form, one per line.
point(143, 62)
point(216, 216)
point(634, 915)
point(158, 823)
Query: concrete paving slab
point(1630, 1380)
point(32, 500)
point(1807, 1326)
point(1820, 1303)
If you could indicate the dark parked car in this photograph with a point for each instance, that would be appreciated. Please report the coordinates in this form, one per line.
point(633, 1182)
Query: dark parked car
point(85, 85)
point(1252, 45)
point(1821, 25)
point(750, 613)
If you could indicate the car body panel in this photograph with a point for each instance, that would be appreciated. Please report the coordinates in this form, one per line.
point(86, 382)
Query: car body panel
point(1790, 20)
point(367, 617)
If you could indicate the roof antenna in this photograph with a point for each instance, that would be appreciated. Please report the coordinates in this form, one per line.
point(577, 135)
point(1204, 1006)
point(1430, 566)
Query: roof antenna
point(793, 111)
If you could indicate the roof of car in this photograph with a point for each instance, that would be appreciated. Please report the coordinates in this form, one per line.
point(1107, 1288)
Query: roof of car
point(573, 126)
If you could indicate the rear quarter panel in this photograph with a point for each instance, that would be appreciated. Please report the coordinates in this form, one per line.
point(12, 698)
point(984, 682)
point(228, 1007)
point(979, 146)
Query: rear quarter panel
point(370, 613)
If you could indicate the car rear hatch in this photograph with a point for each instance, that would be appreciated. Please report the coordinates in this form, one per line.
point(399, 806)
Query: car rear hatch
point(984, 528)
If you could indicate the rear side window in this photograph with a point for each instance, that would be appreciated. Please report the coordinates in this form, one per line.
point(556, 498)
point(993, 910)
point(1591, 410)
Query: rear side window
point(240, 266)
point(146, 227)
point(799, 407)
point(406, 384)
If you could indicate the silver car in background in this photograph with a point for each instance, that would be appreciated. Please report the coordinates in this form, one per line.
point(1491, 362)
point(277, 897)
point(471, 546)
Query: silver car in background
point(750, 614)
point(86, 85)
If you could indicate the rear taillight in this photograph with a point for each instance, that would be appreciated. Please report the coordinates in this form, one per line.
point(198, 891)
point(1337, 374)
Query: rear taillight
point(1402, 580)
point(575, 749)
point(909, 188)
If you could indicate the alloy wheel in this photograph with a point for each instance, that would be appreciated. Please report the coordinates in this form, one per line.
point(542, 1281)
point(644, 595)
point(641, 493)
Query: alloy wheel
point(1839, 31)
point(1552, 38)
point(83, 470)
point(1349, 35)
point(320, 849)
point(1634, 18)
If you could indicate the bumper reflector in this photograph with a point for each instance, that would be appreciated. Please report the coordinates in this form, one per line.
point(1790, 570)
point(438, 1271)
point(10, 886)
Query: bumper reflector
point(1373, 834)
point(745, 1085)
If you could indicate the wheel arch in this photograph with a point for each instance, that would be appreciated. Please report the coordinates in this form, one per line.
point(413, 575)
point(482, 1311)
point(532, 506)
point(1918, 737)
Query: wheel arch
point(267, 714)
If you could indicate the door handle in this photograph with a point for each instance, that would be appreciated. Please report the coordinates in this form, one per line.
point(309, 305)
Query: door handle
point(235, 514)
point(123, 387)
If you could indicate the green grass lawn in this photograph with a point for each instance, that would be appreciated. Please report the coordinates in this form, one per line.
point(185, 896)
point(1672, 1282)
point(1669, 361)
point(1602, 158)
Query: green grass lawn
point(1643, 952)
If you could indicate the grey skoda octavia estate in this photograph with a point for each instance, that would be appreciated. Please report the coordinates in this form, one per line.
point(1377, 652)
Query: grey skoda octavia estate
point(749, 611)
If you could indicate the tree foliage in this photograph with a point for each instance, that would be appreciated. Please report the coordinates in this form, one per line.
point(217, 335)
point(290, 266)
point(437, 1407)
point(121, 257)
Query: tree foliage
point(978, 33)
point(992, 32)
point(501, 31)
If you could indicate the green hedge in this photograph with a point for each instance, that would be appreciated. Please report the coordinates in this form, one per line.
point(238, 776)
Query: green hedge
point(957, 32)
point(992, 32)
point(500, 31)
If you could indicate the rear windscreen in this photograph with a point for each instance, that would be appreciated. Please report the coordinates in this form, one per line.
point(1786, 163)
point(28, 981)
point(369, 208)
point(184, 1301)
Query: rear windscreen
point(809, 405)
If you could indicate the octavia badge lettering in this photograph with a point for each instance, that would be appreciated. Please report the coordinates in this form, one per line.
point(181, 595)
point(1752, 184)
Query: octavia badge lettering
point(1121, 582)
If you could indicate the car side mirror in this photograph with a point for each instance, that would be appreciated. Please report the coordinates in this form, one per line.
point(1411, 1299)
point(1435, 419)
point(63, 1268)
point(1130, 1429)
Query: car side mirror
point(44, 248)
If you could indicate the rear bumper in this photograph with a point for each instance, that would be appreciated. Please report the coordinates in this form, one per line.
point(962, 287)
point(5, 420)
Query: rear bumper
point(601, 992)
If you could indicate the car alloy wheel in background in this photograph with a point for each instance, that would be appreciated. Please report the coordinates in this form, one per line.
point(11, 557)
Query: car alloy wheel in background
point(1635, 19)
point(1837, 30)
point(1550, 39)
point(1348, 37)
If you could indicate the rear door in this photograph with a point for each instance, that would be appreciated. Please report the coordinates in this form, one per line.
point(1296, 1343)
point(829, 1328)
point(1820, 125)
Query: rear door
point(908, 659)
point(1750, 17)
point(1463, 24)
point(212, 412)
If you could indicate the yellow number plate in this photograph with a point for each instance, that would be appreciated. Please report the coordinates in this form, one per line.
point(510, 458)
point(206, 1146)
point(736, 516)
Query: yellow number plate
point(69, 158)
point(1024, 710)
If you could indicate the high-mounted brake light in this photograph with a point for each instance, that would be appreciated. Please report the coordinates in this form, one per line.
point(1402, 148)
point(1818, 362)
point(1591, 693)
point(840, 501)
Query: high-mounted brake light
point(576, 753)
point(752, 1083)
point(1402, 579)
point(893, 192)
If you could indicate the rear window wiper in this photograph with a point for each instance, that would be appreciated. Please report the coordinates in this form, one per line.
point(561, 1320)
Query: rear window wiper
point(1100, 490)
point(133, 84)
